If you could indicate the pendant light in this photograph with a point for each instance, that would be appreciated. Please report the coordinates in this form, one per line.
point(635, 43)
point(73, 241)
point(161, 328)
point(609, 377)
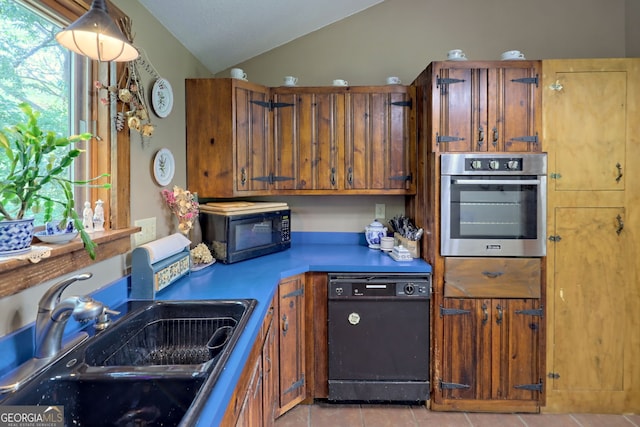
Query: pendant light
point(96, 35)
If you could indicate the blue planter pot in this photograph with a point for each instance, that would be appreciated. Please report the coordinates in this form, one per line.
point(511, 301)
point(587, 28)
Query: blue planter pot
point(15, 236)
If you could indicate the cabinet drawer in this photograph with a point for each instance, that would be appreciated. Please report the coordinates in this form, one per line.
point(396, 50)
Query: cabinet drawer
point(492, 277)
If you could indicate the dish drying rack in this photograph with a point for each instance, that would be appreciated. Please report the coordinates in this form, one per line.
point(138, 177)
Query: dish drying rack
point(189, 341)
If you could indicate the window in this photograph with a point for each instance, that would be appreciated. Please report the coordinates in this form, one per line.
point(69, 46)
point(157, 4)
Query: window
point(59, 84)
point(36, 69)
point(111, 154)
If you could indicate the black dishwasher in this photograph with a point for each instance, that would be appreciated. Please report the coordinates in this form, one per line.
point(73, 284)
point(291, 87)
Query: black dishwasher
point(378, 337)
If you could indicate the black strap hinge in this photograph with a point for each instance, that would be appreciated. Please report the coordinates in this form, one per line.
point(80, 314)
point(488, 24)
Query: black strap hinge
point(530, 138)
point(531, 387)
point(401, 178)
point(408, 103)
point(527, 80)
point(271, 178)
point(453, 386)
point(446, 138)
point(262, 178)
point(532, 312)
point(295, 293)
point(271, 105)
point(452, 311)
point(441, 81)
point(295, 385)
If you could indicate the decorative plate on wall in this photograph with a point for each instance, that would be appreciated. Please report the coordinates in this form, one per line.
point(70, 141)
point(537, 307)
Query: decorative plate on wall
point(162, 97)
point(163, 166)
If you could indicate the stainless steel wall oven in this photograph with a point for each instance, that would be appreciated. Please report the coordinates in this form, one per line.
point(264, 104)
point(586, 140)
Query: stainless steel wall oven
point(493, 204)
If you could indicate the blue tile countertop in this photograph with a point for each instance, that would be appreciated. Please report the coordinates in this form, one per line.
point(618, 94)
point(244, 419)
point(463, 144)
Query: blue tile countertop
point(258, 279)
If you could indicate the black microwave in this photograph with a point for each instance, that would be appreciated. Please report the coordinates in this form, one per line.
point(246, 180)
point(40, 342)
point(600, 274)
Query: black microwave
point(234, 237)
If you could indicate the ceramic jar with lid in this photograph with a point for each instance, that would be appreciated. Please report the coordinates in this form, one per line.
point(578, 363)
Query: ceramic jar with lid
point(374, 232)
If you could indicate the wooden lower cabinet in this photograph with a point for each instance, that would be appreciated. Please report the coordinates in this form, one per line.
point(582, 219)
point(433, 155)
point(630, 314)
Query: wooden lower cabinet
point(248, 405)
point(251, 411)
point(270, 376)
point(490, 355)
point(291, 343)
point(488, 345)
point(273, 379)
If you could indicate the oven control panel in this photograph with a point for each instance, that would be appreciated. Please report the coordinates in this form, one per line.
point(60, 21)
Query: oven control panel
point(513, 164)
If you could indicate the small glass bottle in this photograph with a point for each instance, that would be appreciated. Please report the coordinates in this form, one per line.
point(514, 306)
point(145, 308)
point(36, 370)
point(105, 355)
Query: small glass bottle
point(98, 216)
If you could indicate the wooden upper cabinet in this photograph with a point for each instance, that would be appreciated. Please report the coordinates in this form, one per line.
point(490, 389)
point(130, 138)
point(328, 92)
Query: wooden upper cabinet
point(308, 131)
point(228, 137)
point(486, 106)
point(588, 128)
point(254, 154)
point(245, 139)
point(378, 142)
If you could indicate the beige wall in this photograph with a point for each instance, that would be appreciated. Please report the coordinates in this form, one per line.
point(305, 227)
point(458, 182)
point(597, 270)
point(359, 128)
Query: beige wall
point(401, 37)
point(632, 16)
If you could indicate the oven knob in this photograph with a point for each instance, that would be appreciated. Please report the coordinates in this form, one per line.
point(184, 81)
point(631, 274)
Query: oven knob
point(409, 289)
point(512, 164)
point(476, 164)
point(494, 164)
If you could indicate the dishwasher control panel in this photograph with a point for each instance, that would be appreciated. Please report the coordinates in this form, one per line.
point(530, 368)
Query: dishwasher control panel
point(362, 286)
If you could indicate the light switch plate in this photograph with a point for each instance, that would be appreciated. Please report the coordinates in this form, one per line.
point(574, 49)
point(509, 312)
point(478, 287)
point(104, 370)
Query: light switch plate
point(148, 232)
point(380, 211)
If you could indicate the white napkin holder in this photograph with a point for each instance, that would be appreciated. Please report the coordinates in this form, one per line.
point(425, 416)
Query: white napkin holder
point(158, 264)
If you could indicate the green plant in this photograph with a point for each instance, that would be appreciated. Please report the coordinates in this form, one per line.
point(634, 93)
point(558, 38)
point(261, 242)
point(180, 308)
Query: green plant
point(33, 161)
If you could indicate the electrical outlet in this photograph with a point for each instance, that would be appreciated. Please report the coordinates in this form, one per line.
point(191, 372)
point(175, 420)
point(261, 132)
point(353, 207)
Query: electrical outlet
point(148, 232)
point(380, 211)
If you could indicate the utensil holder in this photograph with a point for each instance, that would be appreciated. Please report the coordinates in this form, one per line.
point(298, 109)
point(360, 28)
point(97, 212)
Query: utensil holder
point(413, 246)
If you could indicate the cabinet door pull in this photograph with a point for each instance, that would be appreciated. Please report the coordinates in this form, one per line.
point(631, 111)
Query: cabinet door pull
point(500, 314)
point(492, 274)
point(350, 176)
point(480, 135)
point(243, 176)
point(619, 167)
point(285, 325)
point(485, 314)
point(620, 225)
point(333, 177)
point(495, 136)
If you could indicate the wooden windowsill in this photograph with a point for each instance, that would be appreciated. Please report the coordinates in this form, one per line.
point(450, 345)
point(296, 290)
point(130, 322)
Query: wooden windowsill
point(18, 274)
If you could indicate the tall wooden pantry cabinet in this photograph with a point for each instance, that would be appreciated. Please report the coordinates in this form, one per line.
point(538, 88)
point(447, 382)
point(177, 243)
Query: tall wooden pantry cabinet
point(591, 117)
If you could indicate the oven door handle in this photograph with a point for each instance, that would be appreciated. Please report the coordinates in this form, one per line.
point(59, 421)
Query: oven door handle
point(496, 181)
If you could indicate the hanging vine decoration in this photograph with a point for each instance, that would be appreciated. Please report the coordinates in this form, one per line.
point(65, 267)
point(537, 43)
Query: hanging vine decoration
point(130, 93)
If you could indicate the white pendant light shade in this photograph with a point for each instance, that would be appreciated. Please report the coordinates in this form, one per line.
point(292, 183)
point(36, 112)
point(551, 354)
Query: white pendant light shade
point(97, 36)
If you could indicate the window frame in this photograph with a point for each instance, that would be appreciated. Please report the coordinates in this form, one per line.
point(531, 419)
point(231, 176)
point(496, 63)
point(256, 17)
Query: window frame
point(112, 154)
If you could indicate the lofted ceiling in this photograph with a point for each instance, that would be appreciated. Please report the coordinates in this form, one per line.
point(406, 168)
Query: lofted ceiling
point(223, 33)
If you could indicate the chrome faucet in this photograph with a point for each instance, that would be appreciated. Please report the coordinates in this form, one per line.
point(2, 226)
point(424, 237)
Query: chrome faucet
point(50, 322)
point(53, 315)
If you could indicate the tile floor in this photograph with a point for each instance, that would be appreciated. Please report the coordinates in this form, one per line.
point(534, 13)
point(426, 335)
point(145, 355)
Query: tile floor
point(351, 415)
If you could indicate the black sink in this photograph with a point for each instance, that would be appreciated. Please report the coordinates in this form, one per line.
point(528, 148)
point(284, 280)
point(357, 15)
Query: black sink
point(145, 369)
point(114, 402)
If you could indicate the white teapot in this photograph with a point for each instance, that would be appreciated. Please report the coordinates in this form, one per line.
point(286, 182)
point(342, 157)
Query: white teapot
point(374, 232)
